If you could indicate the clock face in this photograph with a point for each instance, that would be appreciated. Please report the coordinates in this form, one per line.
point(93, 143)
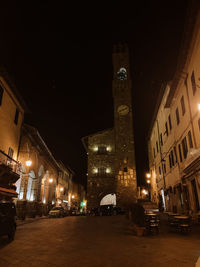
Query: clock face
point(122, 74)
point(123, 110)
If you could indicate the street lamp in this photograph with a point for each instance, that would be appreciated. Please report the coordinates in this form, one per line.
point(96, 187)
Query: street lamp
point(50, 180)
point(28, 163)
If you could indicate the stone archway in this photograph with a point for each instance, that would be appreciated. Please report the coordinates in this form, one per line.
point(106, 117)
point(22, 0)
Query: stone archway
point(109, 199)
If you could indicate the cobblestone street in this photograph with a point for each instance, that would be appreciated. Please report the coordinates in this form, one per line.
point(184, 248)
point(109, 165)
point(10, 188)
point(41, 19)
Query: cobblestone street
point(96, 241)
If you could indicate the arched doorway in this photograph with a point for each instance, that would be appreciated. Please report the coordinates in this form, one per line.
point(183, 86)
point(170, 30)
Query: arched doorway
point(109, 199)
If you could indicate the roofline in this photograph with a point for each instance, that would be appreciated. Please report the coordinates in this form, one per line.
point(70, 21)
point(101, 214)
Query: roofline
point(9, 81)
point(186, 47)
point(157, 106)
point(86, 137)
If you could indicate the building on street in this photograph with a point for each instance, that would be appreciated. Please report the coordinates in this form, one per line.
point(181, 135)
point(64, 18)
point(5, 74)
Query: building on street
point(111, 154)
point(174, 138)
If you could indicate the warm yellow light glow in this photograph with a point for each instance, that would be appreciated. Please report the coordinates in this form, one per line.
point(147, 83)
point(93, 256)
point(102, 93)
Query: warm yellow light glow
point(59, 201)
point(199, 107)
point(108, 148)
point(61, 189)
point(28, 163)
point(148, 181)
point(73, 196)
point(107, 170)
point(95, 170)
point(95, 148)
point(148, 175)
point(144, 191)
point(50, 180)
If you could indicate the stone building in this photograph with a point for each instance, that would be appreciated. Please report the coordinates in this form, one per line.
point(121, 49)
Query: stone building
point(111, 154)
point(43, 181)
point(12, 109)
point(64, 190)
point(174, 139)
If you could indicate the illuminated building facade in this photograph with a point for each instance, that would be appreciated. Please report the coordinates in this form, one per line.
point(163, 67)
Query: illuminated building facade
point(12, 109)
point(111, 154)
point(174, 139)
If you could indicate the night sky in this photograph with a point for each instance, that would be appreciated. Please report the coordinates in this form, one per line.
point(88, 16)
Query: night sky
point(60, 58)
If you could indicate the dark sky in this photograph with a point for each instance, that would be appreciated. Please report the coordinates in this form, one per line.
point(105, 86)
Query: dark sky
point(60, 58)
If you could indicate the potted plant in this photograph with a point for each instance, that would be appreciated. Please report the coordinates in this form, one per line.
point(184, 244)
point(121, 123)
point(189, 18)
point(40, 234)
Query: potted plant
point(138, 219)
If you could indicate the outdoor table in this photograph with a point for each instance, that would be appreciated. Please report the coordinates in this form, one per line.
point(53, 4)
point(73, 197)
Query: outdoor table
point(183, 223)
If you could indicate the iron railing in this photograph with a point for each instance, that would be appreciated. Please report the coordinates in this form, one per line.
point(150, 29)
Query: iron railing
point(6, 160)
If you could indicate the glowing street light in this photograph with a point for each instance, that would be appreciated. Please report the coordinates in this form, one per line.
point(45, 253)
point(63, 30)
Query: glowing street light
point(148, 181)
point(50, 180)
point(148, 175)
point(61, 189)
point(73, 196)
point(28, 163)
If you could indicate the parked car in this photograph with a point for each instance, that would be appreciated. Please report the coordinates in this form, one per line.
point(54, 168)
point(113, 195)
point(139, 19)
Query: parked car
point(56, 212)
point(74, 212)
point(7, 219)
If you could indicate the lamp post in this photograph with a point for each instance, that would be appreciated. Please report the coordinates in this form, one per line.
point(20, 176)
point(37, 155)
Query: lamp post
point(28, 164)
point(148, 176)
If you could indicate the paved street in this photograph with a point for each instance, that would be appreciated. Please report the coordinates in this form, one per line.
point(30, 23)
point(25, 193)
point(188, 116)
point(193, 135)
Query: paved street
point(95, 241)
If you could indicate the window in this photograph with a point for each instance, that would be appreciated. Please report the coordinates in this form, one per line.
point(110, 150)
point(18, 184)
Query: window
point(172, 158)
point(185, 147)
point(183, 105)
point(1, 94)
point(175, 155)
point(199, 124)
point(10, 152)
point(161, 141)
point(166, 128)
point(180, 153)
point(164, 167)
point(101, 171)
point(177, 116)
point(194, 88)
point(157, 146)
point(170, 161)
point(190, 139)
point(170, 123)
point(16, 116)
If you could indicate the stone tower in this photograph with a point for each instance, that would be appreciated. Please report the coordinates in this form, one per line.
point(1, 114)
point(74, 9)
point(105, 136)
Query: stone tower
point(125, 167)
point(111, 154)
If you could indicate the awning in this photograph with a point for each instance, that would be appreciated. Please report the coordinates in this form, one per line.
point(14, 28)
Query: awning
point(8, 192)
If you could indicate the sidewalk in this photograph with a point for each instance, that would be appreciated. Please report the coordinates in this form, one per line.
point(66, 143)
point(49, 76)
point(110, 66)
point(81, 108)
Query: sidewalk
point(30, 220)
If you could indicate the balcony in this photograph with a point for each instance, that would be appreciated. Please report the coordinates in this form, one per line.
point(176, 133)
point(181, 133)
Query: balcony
point(9, 170)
